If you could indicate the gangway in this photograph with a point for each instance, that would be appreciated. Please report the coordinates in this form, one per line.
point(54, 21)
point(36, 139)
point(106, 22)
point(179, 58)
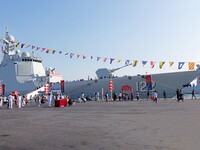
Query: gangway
point(43, 89)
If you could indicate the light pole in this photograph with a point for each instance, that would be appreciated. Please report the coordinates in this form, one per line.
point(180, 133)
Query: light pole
point(111, 87)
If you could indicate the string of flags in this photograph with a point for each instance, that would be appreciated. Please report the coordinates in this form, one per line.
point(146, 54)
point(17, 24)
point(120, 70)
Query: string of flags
point(134, 63)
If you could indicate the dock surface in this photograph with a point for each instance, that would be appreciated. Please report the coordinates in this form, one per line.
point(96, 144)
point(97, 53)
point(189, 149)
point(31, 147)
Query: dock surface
point(127, 125)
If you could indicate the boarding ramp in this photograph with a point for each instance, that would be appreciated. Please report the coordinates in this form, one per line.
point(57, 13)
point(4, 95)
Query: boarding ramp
point(43, 89)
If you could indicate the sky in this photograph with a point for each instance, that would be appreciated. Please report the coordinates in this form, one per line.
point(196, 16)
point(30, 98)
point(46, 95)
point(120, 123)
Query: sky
point(143, 30)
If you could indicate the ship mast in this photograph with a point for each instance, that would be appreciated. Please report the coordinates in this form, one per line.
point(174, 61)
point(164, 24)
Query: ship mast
point(8, 40)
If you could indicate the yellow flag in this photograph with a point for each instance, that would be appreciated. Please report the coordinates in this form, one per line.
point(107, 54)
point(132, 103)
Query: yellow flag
point(119, 60)
point(171, 63)
point(53, 51)
point(191, 65)
point(161, 64)
point(135, 62)
point(17, 43)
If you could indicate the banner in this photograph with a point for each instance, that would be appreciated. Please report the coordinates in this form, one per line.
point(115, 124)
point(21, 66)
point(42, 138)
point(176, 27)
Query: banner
point(119, 60)
point(161, 64)
point(71, 55)
point(3, 88)
point(105, 59)
point(84, 56)
point(171, 63)
point(111, 60)
point(152, 64)
point(135, 62)
point(191, 65)
point(144, 63)
point(180, 65)
point(28, 46)
point(62, 86)
point(149, 82)
point(22, 45)
point(98, 58)
point(127, 62)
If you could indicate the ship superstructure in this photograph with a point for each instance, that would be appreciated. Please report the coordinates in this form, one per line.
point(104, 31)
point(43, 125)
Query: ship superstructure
point(23, 72)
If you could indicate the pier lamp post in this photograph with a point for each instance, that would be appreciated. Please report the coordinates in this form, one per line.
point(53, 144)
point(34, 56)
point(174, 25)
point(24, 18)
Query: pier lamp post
point(111, 88)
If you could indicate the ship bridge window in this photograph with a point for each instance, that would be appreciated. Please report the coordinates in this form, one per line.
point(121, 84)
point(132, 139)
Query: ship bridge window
point(35, 60)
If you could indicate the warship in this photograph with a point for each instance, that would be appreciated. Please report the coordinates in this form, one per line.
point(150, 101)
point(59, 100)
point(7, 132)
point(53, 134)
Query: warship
point(25, 73)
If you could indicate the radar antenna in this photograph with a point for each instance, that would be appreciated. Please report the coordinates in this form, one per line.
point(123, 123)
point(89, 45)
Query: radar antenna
point(6, 28)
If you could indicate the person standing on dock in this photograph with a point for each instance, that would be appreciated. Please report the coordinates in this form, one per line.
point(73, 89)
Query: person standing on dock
point(137, 95)
point(164, 94)
point(193, 95)
point(106, 96)
point(148, 94)
point(49, 99)
point(10, 101)
point(155, 96)
point(177, 94)
point(19, 100)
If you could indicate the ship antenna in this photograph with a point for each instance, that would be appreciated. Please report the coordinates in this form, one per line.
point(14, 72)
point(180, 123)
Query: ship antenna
point(6, 30)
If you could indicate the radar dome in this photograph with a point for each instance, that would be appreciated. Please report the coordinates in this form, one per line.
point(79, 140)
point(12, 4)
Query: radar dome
point(25, 54)
point(18, 52)
point(10, 38)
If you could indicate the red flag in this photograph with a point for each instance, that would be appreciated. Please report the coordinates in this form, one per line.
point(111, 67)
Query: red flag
point(43, 49)
point(152, 64)
point(84, 56)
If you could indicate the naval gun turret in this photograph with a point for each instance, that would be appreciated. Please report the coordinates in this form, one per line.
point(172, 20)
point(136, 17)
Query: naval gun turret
point(107, 73)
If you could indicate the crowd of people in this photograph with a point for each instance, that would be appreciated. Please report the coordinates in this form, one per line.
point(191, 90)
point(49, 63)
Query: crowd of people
point(49, 98)
point(17, 100)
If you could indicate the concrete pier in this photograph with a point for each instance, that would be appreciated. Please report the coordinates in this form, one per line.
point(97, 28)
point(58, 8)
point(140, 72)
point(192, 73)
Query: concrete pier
point(131, 125)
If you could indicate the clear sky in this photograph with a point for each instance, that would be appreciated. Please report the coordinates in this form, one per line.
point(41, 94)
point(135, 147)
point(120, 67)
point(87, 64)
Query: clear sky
point(150, 30)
